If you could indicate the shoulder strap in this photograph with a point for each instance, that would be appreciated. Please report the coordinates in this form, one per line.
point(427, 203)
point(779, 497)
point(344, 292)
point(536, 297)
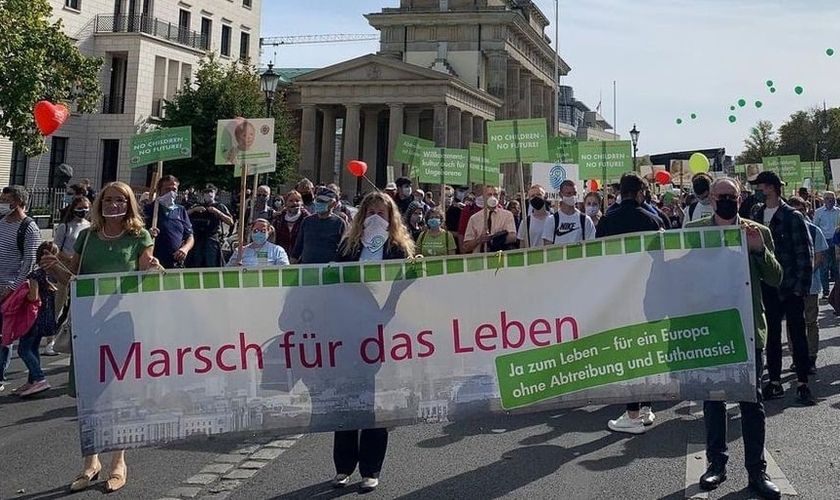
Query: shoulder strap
point(582, 226)
point(21, 234)
point(84, 247)
point(691, 210)
point(556, 224)
point(420, 240)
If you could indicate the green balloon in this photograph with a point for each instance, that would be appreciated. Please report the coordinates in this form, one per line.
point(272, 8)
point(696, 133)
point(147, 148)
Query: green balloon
point(758, 104)
point(742, 103)
point(679, 121)
point(693, 116)
point(769, 83)
point(798, 90)
point(731, 108)
point(732, 119)
point(772, 90)
point(829, 52)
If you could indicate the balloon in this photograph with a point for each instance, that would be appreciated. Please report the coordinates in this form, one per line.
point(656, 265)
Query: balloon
point(798, 90)
point(829, 52)
point(593, 185)
point(679, 121)
point(50, 117)
point(758, 104)
point(742, 102)
point(698, 163)
point(662, 177)
point(733, 118)
point(731, 108)
point(693, 116)
point(769, 83)
point(772, 90)
point(357, 167)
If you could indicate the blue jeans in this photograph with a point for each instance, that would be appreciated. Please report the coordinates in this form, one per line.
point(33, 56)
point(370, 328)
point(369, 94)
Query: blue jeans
point(28, 350)
point(5, 359)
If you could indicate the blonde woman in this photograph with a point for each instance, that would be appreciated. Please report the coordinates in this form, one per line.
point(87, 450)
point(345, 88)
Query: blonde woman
point(376, 233)
point(115, 242)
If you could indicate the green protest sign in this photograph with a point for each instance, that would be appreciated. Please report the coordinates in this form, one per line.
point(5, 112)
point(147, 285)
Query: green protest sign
point(594, 157)
point(740, 169)
point(481, 170)
point(160, 145)
point(406, 150)
point(788, 167)
point(562, 150)
point(512, 141)
point(627, 353)
point(432, 163)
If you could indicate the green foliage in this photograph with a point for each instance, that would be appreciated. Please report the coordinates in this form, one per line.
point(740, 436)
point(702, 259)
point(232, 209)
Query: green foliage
point(761, 142)
point(39, 62)
point(223, 92)
point(803, 134)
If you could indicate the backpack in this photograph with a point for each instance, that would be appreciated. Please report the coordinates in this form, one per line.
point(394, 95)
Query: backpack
point(21, 234)
point(691, 210)
point(582, 226)
point(423, 237)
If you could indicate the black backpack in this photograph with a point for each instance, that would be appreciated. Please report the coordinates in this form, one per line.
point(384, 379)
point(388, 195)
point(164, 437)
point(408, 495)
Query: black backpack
point(582, 226)
point(21, 234)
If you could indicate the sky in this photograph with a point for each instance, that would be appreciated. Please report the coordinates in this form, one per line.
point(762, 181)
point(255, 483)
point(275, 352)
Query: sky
point(669, 59)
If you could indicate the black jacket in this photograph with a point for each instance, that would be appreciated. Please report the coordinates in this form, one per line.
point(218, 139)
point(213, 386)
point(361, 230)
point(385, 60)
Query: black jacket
point(794, 249)
point(629, 217)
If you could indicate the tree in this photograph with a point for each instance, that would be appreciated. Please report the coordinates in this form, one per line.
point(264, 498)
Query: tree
point(223, 92)
point(801, 134)
point(38, 61)
point(761, 142)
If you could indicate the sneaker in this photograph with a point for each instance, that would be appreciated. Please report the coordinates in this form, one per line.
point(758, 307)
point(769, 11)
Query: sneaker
point(37, 387)
point(804, 396)
point(369, 484)
point(773, 390)
point(626, 424)
point(2, 386)
point(647, 416)
point(50, 350)
point(24, 387)
point(340, 480)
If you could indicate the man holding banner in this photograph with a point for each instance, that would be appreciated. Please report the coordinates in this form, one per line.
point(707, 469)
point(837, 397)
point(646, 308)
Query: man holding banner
point(725, 196)
point(492, 228)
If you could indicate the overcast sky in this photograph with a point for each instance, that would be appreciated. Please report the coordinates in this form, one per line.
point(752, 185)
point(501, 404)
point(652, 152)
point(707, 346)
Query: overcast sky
point(669, 58)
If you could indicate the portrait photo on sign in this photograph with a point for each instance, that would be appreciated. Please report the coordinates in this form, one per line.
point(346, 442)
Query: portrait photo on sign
point(241, 140)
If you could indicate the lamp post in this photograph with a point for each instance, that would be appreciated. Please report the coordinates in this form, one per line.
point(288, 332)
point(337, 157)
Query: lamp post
point(268, 84)
point(634, 137)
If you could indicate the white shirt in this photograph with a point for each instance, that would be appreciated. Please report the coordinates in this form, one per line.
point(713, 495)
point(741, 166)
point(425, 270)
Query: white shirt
point(66, 234)
point(701, 210)
point(568, 229)
point(535, 237)
point(769, 213)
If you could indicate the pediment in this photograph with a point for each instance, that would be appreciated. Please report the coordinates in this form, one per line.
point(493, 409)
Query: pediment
point(372, 68)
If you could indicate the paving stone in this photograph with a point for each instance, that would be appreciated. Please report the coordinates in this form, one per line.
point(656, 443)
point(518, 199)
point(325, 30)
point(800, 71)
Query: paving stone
point(185, 491)
point(204, 479)
point(229, 459)
point(267, 454)
point(225, 486)
point(240, 474)
point(217, 469)
point(258, 440)
point(222, 495)
point(253, 464)
point(281, 443)
point(247, 450)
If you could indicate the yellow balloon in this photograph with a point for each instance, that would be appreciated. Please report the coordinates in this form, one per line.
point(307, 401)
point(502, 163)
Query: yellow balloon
point(698, 163)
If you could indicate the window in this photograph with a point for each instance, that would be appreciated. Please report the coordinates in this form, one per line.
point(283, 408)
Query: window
point(226, 34)
point(184, 26)
point(58, 155)
point(206, 32)
point(110, 160)
point(73, 4)
point(19, 163)
point(244, 46)
point(246, 3)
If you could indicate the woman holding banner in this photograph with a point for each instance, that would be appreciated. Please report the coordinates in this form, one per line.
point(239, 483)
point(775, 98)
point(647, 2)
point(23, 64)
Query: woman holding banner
point(376, 233)
point(115, 242)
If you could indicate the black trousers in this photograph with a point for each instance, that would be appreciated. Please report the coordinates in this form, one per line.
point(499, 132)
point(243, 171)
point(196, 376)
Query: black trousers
point(791, 308)
point(752, 428)
point(365, 448)
point(637, 406)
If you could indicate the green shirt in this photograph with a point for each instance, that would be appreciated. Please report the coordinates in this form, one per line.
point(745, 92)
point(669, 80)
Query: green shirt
point(110, 256)
point(763, 267)
point(430, 245)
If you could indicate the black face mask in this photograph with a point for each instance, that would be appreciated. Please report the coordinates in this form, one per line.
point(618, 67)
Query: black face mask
point(760, 196)
point(537, 203)
point(726, 209)
point(81, 213)
point(307, 198)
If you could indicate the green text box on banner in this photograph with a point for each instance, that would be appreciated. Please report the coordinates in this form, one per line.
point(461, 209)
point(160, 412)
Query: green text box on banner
point(788, 167)
point(631, 352)
point(406, 150)
point(160, 145)
point(562, 150)
point(260, 167)
point(481, 170)
point(595, 156)
point(512, 141)
point(431, 163)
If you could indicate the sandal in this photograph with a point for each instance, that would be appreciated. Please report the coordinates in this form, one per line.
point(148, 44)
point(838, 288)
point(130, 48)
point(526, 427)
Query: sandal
point(116, 480)
point(85, 478)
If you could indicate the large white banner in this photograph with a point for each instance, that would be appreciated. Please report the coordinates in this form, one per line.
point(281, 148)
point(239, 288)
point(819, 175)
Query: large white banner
point(640, 317)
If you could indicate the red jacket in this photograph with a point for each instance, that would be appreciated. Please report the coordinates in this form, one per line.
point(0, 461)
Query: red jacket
point(19, 314)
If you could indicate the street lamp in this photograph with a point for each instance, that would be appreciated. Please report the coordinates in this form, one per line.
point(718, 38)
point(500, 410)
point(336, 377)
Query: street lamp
point(268, 83)
point(634, 136)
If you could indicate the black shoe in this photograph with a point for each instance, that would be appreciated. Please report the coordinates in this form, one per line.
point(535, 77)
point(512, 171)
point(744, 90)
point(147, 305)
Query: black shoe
point(713, 477)
point(762, 486)
point(772, 390)
point(813, 369)
point(804, 396)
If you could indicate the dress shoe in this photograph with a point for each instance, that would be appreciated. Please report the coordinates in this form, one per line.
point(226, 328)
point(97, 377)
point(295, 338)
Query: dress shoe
point(116, 480)
point(762, 486)
point(85, 478)
point(713, 477)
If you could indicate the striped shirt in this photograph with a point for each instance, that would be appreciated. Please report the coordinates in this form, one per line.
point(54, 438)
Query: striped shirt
point(14, 267)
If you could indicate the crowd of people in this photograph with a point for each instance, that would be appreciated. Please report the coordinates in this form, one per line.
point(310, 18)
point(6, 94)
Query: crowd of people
point(791, 243)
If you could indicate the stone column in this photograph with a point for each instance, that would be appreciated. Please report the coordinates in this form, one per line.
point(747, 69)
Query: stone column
point(524, 96)
point(395, 128)
point(497, 79)
point(412, 128)
point(308, 141)
point(537, 102)
point(327, 172)
point(466, 130)
point(440, 125)
point(453, 135)
point(351, 146)
point(478, 129)
point(369, 142)
point(549, 98)
point(512, 98)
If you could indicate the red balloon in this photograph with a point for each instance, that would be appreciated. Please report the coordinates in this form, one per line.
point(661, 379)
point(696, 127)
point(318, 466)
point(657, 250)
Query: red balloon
point(662, 177)
point(357, 167)
point(593, 185)
point(50, 117)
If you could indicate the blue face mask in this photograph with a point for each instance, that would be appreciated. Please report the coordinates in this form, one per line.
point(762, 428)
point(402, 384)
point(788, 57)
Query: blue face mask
point(433, 223)
point(259, 237)
point(320, 207)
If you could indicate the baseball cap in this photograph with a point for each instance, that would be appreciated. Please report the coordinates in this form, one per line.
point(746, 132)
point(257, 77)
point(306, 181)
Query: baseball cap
point(768, 177)
point(391, 186)
point(326, 193)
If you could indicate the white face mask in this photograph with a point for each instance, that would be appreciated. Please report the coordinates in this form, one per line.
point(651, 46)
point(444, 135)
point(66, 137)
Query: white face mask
point(479, 201)
point(592, 210)
point(376, 233)
point(492, 202)
point(292, 217)
point(569, 201)
point(406, 191)
point(168, 199)
point(5, 208)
